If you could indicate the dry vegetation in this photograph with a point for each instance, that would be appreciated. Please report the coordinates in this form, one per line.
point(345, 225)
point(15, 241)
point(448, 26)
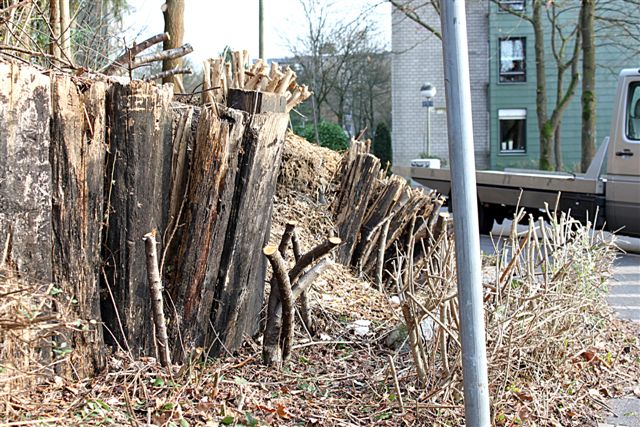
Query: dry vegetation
point(555, 351)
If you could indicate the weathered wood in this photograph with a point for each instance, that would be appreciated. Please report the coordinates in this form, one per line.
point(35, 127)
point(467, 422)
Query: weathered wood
point(256, 102)
point(194, 264)
point(138, 174)
point(78, 154)
point(353, 199)
point(240, 285)
point(25, 172)
point(377, 213)
point(25, 205)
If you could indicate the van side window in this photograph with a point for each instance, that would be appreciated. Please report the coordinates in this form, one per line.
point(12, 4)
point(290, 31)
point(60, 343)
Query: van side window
point(633, 112)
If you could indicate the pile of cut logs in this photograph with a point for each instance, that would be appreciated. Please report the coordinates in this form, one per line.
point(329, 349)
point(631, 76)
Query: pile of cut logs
point(220, 76)
point(379, 216)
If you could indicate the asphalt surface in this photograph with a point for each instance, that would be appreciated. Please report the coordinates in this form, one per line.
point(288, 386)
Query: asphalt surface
point(624, 298)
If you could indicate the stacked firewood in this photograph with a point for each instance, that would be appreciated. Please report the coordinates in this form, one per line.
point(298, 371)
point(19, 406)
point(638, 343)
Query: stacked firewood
point(221, 75)
point(378, 216)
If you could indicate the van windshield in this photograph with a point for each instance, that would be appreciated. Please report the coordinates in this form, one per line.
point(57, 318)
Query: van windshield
point(633, 112)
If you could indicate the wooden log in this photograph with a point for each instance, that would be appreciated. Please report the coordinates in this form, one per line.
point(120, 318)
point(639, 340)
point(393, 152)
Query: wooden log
point(240, 285)
point(25, 173)
point(78, 153)
point(375, 217)
point(256, 102)
point(193, 263)
point(352, 202)
point(138, 171)
point(25, 206)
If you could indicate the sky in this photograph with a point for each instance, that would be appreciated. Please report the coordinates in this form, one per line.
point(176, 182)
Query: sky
point(210, 25)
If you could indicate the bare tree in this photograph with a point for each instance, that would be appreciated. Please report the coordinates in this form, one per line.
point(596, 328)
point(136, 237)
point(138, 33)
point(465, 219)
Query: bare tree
point(173, 11)
point(335, 59)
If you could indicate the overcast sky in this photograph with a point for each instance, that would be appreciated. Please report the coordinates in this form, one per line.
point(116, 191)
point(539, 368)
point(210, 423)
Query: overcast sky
point(210, 25)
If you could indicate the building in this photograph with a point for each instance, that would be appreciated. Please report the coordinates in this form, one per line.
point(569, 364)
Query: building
point(503, 85)
point(416, 60)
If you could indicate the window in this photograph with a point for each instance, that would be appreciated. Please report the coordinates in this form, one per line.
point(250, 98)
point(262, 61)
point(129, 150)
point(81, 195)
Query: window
point(512, 131)
point(517, 5)
point(512, 60)
point(633, 112)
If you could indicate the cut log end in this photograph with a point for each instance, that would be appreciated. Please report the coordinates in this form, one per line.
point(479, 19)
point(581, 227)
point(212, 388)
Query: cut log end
point(335, 240)
point(270, 250)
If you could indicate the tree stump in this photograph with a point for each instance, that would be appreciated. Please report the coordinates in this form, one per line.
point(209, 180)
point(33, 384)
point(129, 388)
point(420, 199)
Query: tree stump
point(78, 153)
point(136, 200)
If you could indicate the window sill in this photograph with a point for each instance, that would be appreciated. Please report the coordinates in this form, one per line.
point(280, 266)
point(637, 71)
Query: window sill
point(512, 152)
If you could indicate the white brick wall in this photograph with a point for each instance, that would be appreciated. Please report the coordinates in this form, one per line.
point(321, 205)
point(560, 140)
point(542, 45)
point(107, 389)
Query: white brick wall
point(417, 59)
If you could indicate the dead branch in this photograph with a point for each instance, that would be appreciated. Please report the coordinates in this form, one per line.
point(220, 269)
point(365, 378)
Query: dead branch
point(178, 52)
point(132, 52)
point(163, 74)
point(286, 298)
point(155, 290)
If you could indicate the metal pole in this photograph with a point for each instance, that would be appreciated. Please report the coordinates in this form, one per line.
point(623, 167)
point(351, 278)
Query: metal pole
point(465, 211)
point(429, 129)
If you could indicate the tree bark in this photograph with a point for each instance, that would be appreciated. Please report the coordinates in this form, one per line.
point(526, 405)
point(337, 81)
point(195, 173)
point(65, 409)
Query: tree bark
point(78, 153)
point(588, 97)
point(136, 201)
point(174, 25)
point(54, 20)
point(65, 29)
point(25, 173)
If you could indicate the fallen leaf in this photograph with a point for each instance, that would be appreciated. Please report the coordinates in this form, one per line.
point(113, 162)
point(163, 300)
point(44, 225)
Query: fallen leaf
point(266, 409)
point(282, 412)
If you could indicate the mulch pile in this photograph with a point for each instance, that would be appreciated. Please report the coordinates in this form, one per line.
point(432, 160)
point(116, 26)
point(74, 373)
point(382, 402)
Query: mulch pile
point(340, 377)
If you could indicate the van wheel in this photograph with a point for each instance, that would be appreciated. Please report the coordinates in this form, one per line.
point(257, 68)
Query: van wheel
point(485, 218)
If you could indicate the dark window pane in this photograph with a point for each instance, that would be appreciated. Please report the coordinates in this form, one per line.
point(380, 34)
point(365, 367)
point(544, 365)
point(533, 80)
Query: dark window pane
point(512, 135)
point(517, 5)
point(633, 112)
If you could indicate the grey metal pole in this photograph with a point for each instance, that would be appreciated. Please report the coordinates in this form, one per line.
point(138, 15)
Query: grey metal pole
point(465, 211)
point(429, 129)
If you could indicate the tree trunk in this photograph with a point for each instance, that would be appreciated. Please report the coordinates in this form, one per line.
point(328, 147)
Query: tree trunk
point(588, 98)
point(54, 20)
point(174, 25)
point(546, 131)
point(137, 179)
point(65, 29)
point(25, 173)
point(78, 154)
point(240, 284)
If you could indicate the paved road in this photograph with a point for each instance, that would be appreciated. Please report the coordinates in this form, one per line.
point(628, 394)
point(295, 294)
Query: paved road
point(624, 298)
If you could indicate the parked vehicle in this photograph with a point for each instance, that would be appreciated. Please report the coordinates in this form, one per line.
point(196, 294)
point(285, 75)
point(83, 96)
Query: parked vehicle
point(608, 192)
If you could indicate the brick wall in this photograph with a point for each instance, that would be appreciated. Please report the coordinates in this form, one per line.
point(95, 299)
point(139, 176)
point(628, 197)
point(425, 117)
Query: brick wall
point(417, 59)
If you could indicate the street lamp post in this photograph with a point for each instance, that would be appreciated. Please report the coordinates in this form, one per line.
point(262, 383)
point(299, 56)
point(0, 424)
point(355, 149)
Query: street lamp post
point(428, 92)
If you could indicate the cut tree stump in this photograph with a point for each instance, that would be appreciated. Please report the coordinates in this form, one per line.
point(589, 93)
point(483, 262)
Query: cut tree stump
point(138, 186)
point(25, 173)
point(240, 286)
point(78, 153)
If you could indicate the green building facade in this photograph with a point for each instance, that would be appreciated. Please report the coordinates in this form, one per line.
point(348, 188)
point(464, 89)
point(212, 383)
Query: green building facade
point(514, 138)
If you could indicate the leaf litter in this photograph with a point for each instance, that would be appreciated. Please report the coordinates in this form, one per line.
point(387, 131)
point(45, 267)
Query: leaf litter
point(553, 363)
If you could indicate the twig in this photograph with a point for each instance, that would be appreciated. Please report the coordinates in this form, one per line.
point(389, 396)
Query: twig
point(131, 52)
point(155, 290)
point(396, 384)
point(162, 56)
point(163, 74)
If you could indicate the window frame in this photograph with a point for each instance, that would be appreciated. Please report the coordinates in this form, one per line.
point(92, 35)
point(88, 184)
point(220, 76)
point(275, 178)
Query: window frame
point(520, 5)
point(633, 96)
point(522, 73)
point(513, 114)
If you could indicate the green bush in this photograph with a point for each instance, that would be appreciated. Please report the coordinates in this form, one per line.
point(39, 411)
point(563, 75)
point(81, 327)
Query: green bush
point(331, 135)
point(382, 144)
